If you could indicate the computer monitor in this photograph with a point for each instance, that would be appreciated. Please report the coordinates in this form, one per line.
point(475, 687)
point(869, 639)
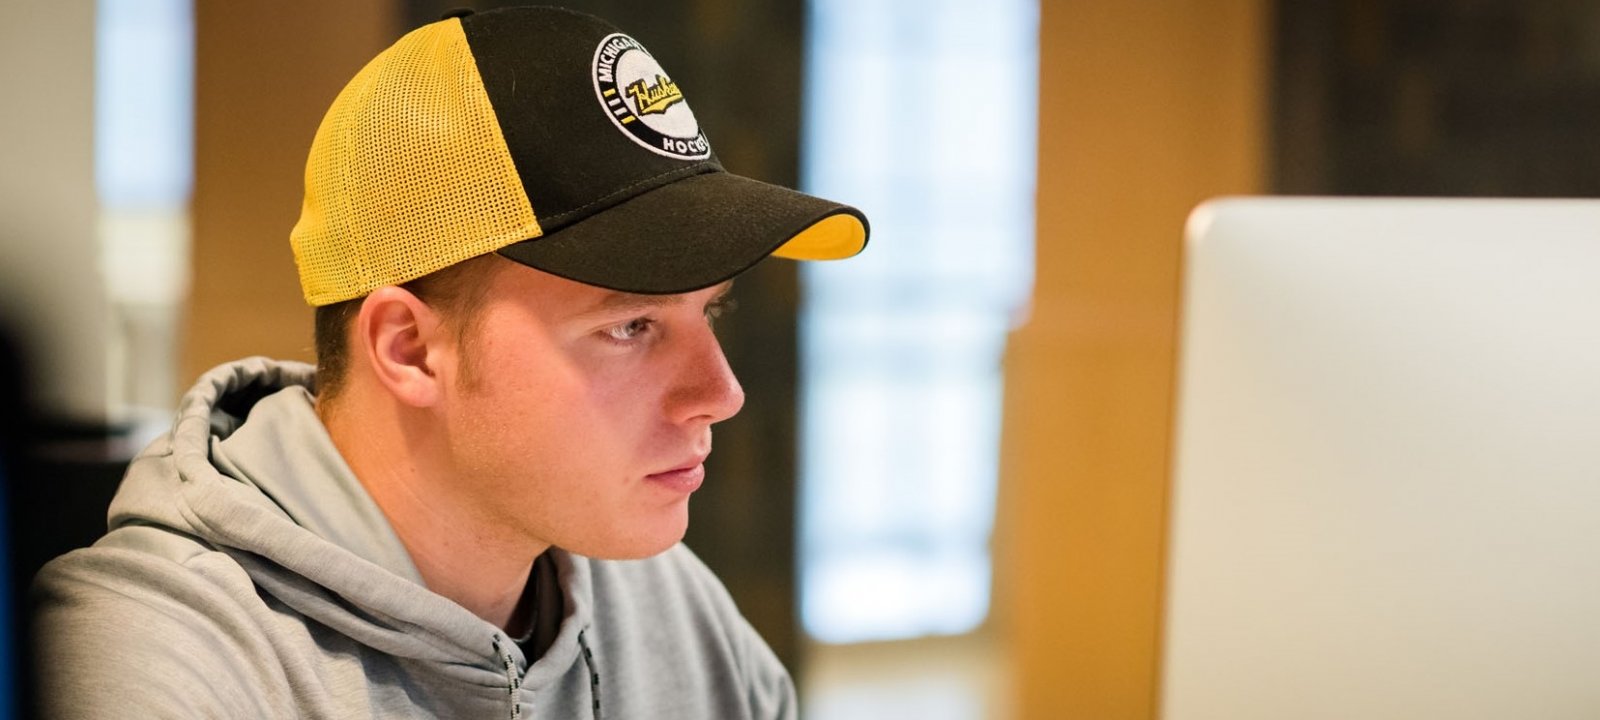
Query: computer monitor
point(1386, 470)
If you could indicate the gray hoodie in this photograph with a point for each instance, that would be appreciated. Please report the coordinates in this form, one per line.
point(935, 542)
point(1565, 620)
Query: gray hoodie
point(248, 574)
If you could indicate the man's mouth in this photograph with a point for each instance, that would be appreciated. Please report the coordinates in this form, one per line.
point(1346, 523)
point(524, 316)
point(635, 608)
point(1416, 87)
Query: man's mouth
point(685, 478)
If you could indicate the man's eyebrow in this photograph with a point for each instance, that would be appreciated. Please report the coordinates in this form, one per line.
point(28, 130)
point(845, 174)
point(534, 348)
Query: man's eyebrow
point(618, 301)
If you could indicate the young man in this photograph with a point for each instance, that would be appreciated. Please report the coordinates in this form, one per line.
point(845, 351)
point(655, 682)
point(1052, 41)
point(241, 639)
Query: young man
point(516, 236)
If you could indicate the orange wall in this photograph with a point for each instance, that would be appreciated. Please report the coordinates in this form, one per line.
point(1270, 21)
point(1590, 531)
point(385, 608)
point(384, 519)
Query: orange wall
point(1146, 108)
point(264, 75)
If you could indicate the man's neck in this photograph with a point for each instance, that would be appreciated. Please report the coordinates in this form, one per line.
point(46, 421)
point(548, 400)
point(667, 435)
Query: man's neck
point(459, 552)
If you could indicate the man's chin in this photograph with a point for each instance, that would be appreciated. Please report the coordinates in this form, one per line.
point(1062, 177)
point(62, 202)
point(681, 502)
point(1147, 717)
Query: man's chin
point(636, 545)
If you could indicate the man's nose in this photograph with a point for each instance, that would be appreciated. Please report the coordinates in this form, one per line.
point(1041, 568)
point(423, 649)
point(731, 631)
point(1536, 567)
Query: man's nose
point(708, 390)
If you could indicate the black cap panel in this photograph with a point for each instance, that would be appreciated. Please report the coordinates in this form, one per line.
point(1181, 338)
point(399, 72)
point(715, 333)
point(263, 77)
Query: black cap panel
point(573, 114)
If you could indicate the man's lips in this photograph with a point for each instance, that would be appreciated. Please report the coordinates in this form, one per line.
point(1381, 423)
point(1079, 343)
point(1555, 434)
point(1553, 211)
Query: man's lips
point(684, 478)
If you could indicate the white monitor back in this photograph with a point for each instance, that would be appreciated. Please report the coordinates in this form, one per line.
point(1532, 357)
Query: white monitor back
point(1386, 497)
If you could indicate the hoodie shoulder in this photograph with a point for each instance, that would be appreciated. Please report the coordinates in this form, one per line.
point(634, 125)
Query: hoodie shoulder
point(124, 632)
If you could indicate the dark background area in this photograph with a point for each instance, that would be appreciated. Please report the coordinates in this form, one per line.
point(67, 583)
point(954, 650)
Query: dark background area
point(1422, 97)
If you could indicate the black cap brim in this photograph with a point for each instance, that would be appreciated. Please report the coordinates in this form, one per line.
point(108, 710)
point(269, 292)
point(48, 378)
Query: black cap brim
point(694, 233)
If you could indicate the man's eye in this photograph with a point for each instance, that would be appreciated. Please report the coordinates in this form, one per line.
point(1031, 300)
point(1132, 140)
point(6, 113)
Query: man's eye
point(629, 330)
point(720, 307)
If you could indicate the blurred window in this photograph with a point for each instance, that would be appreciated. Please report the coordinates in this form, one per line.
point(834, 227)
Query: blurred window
point(923, 115)
point(144, 173)
point(144, 108)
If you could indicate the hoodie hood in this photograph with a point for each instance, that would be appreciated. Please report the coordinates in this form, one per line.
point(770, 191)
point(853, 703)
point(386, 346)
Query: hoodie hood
point(258, 477)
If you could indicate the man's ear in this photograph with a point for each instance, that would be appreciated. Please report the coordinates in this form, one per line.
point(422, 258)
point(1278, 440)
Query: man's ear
point(404, 342)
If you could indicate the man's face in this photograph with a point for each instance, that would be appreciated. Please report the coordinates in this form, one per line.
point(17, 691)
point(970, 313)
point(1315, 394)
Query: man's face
point(588, 412)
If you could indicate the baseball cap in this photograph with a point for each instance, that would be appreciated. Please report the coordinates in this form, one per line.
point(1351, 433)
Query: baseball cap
point(550, 137)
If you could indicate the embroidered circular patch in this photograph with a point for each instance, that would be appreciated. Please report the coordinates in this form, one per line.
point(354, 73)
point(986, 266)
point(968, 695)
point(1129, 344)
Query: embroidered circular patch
point(643, 102)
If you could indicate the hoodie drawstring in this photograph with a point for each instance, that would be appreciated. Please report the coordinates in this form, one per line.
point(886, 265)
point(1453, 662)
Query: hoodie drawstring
point(513, 680)
point(594, 673)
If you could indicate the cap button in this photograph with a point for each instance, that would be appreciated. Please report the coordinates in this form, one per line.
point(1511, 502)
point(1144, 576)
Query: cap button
point(456, 13)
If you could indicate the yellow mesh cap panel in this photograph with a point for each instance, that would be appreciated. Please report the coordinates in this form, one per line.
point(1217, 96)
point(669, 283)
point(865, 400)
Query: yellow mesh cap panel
point(408, 173)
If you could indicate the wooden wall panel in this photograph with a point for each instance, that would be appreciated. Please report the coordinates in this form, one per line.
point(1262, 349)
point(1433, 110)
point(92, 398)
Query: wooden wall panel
point(264, 75)
point(1145, 110)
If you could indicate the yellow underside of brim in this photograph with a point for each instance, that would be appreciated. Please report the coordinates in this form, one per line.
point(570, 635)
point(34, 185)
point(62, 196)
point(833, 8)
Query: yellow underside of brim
point(832, 238)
